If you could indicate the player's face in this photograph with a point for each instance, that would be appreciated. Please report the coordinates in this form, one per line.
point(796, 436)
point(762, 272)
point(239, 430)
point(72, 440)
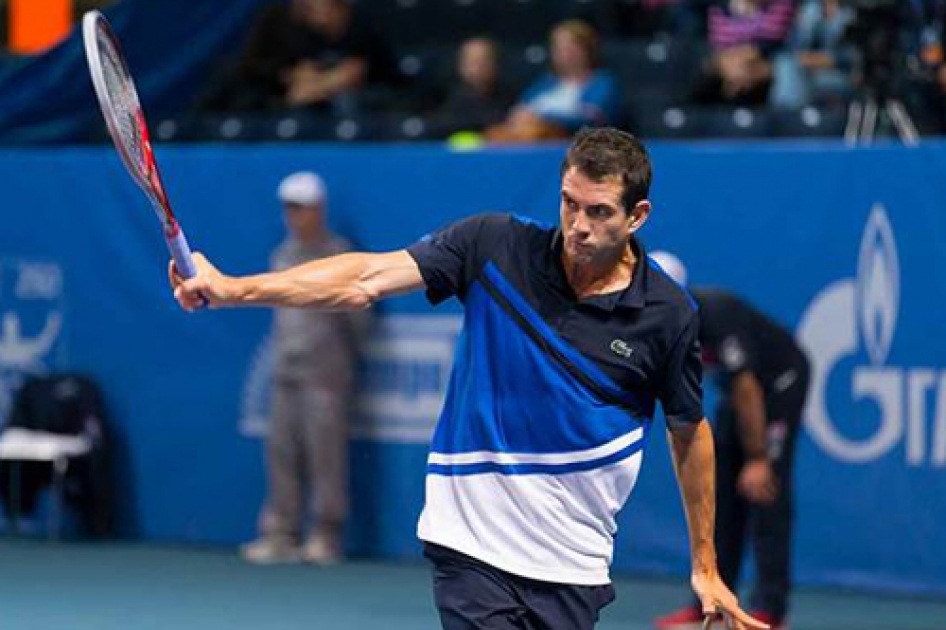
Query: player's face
point(595, 226)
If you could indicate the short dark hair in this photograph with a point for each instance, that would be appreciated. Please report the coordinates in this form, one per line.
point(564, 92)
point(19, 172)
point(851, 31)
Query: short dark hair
point(603, 152)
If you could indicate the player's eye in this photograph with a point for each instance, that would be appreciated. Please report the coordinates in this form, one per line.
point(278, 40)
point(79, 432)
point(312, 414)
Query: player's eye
point(599, 212)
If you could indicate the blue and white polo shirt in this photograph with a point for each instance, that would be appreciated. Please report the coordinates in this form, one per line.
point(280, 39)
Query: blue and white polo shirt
point(550, 400)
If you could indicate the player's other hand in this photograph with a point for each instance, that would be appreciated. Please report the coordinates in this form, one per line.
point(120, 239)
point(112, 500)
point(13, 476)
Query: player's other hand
point(208, 288)
point(720, 607)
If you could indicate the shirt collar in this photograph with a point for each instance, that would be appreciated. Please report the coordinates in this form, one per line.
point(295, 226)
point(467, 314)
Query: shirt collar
point(633, 296)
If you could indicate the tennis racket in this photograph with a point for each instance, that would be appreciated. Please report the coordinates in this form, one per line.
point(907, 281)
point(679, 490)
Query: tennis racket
point(126, 124)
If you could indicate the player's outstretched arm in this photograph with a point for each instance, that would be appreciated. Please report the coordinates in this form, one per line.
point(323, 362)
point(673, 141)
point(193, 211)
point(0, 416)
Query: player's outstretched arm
point(345, 282)
point(695, 464)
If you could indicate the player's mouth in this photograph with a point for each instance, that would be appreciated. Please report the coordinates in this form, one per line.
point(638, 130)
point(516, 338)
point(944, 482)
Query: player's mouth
point(580, 247)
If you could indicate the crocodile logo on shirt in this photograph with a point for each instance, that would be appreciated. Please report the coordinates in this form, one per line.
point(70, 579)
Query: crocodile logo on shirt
point(620, 348)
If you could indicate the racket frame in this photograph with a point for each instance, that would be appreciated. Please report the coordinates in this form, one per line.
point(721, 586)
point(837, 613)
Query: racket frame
point(146, 174)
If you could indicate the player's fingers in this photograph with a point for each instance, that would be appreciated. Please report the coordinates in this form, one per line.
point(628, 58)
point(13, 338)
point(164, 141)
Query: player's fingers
point(195, 288)
point(173, 277)
point(183, 299)
point(191, 293)
point(740, 619)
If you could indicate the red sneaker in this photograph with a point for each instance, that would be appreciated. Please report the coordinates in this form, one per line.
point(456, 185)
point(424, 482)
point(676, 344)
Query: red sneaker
point(769, 618)
point(688, 618)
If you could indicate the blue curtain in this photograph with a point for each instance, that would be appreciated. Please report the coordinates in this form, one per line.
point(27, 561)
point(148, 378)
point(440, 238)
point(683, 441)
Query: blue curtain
point(172, 47)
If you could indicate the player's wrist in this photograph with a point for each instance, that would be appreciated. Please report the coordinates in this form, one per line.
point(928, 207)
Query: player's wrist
point(237, 290)
point(703, 561)
point(705, 568)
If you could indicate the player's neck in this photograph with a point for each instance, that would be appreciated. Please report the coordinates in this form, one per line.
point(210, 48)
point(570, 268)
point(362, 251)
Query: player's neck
point(589, 279)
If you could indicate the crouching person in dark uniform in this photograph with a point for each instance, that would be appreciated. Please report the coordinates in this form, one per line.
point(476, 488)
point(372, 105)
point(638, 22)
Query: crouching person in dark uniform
point(762, 376)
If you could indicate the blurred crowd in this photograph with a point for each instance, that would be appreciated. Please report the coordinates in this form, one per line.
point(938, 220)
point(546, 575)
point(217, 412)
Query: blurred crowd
point(527, 70)
point(478, 69)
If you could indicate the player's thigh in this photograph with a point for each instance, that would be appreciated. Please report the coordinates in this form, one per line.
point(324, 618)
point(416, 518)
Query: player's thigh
point(566, 607)
point(472, 596)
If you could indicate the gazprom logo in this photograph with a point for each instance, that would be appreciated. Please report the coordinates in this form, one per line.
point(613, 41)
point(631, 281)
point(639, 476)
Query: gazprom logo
point(878, 286)
point(854, 317)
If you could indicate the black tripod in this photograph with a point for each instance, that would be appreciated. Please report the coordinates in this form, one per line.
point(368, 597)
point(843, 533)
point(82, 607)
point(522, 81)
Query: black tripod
point(866, 114)
point(878, 106)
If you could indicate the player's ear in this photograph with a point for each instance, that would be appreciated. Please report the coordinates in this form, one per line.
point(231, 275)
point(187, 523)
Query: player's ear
point(638, 215)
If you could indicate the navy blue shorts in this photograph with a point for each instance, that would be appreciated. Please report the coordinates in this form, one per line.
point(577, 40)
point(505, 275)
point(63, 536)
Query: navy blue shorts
point(472, 595)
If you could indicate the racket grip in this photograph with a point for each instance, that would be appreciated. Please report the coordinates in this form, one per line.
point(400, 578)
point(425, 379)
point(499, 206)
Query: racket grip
point(181, 253)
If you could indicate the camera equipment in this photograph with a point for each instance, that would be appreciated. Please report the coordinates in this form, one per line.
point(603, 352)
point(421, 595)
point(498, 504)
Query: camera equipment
point(876, 34)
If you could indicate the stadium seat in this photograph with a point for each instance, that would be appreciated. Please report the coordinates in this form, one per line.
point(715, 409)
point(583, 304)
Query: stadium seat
point(524, 64)
point(737, 122)
point(659, 65)
point(182, 128)
point(523, 21)
point(229, 128)
point(352, 130)
point(668, 122)
point(413, 23)
point(401, 128)
point(296, 127)
point(427, 73)
point(809, 122)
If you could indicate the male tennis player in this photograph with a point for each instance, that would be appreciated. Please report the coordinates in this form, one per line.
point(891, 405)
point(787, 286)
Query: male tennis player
point(569, 339)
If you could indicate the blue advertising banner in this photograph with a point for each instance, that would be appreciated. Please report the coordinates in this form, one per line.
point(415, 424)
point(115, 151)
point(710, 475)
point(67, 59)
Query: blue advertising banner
point(843, 246)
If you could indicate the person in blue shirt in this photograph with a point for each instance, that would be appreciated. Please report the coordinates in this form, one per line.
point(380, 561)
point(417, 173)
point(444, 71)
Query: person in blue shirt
point(570, 338)
point(817, 66)
point(576, 93)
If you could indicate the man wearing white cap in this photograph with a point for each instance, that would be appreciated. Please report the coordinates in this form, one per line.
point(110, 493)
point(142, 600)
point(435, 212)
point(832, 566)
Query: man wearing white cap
point(315, 355)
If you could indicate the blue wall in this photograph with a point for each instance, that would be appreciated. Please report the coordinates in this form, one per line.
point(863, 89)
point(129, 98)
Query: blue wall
point(844, 246)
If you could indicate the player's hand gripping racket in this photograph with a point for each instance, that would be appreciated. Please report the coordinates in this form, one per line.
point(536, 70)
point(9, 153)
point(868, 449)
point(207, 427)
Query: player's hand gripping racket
point(126, 124)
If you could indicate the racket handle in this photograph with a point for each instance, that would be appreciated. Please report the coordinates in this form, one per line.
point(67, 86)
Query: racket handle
point(181, 253)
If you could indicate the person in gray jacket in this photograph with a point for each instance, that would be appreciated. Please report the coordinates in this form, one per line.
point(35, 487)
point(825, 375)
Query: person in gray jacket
point(315, 360)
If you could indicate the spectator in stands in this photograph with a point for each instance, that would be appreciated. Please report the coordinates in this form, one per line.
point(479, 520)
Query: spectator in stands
point(479, 98)
point(819, 61)
point(576, 93)
point(929, 34)
point(744, 36)
point(315, 356)
point(306, 54)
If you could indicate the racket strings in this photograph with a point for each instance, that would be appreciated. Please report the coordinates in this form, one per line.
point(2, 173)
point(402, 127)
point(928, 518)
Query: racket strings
point(124, 104)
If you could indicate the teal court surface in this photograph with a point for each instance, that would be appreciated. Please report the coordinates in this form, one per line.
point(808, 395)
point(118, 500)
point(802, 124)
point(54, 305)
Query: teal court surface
point(64, 586)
